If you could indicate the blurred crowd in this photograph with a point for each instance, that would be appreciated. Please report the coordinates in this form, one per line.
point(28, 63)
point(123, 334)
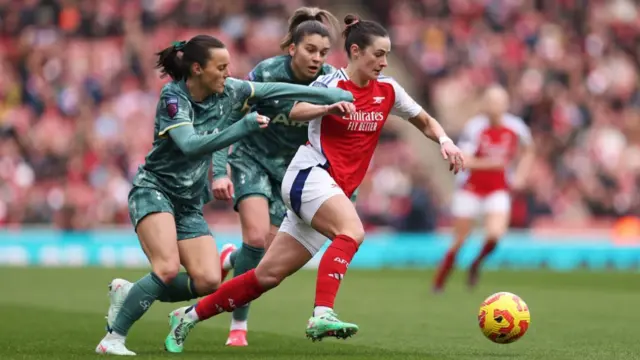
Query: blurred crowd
point(571, 67)
point(78, 94)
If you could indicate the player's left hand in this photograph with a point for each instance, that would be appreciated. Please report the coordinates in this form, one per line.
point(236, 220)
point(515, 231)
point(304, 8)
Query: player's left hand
point(454, 155)
point(341, 108)
point(222, 189)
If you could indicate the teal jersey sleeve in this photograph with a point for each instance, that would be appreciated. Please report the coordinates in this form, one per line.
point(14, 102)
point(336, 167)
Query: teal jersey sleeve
point(193, 144)
point(284, 91)
point(247, 93)
point(219, 163)
point(175, 111)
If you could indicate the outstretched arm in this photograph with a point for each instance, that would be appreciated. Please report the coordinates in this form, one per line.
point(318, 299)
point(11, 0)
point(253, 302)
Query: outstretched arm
point(303, 111)
point(193, 144)
point(429, 127)
point(312, 94)
point(407, 108)
point(434, 131)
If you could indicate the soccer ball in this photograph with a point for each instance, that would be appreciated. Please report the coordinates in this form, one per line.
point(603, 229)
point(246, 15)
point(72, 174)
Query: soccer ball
point(504, 318)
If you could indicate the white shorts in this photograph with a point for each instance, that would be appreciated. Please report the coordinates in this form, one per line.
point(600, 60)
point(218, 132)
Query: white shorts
point(466, 204)
point(303, 192)
point(303, 233)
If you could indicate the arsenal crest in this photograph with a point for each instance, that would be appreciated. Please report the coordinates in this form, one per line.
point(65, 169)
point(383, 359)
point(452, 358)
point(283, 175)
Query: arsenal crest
point(172, 106)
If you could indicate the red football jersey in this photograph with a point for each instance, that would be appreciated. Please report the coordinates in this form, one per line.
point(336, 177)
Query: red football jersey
point(502, 142)
point(344, 145)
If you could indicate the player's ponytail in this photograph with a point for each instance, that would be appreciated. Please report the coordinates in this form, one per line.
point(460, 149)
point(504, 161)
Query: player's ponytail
point(307, 21)
point(360, 32)
point(176, 60)
point(169, 62)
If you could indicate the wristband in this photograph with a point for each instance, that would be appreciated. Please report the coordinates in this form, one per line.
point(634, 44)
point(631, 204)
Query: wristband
point(444, 139)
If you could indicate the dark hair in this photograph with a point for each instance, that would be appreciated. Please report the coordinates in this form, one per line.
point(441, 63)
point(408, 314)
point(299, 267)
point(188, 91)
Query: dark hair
point(196, 50)
point(308, 21)
point(360, 32)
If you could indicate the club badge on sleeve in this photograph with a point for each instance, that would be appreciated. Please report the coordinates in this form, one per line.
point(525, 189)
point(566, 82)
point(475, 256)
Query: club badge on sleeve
point(172, 106)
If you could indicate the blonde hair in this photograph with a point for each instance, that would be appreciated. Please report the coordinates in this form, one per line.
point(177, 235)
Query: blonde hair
point(310, 13)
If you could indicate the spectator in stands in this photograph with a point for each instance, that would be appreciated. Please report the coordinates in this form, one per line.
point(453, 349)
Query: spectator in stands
point(77, 88)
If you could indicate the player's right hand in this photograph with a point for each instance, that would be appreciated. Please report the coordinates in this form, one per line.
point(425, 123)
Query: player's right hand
point(263, 121)
point(341, 108)
point(223, 189)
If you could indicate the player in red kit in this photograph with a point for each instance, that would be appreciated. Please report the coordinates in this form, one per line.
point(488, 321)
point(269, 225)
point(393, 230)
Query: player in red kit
point(319, 182)
point(492, 143)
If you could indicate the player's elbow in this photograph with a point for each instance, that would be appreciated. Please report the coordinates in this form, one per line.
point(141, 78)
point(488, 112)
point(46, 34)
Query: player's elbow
point(420, 121)
point(296, 114)
point(186, 144)
point(189, 151)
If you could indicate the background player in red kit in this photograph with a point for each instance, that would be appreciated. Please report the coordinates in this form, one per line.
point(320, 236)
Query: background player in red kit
point(319, 181)
point(492, 143)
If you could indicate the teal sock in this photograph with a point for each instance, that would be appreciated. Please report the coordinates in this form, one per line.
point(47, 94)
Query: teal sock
point(143, 293)
point(182, 288)
point(248, 258)
point(233, 256)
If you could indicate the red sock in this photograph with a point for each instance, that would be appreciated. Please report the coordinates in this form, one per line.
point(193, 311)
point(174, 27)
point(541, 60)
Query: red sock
point(333, 265)
point(445, 268)
point(487, 249)
point(231, 295)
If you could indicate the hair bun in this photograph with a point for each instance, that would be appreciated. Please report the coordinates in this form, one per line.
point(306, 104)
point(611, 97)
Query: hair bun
point(351, 20)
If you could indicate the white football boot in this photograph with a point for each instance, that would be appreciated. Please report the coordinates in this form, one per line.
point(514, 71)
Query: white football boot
point(118, 291)
point(113, 344)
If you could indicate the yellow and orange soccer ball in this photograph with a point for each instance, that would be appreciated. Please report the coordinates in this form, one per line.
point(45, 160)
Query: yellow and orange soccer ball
point(504, 318)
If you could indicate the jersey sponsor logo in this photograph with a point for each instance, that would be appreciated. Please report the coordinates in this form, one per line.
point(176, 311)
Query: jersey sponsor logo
point(171, 104)
point(284, 120)
point(365, 116)
point(364, 120)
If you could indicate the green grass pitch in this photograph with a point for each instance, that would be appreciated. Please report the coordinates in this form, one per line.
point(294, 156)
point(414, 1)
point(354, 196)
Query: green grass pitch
point(59, 314)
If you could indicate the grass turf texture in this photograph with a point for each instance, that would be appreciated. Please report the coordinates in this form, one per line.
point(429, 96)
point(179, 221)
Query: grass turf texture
point(59, 314)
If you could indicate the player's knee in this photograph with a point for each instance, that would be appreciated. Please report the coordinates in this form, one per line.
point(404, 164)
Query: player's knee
point(494, 236)
point(456, 245)
point(206, 281)
point(495, 231)
point(354, 231)
point(166, 270)
point(255, 237)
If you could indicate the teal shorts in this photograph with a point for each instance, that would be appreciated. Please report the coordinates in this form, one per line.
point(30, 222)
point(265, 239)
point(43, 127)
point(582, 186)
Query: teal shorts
point(250, 178)
point(189, 219)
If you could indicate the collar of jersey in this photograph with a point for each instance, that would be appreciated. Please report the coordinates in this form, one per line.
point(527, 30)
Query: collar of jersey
point(344, 73)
